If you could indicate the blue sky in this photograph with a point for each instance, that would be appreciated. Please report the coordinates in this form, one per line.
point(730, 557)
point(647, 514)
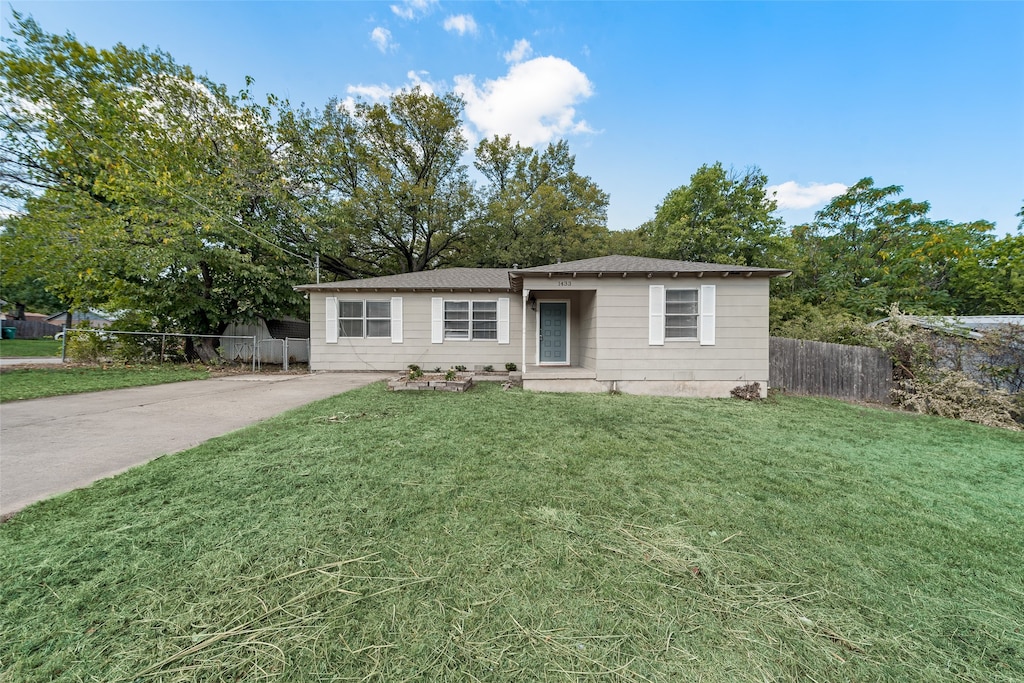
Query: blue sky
point(925, 95)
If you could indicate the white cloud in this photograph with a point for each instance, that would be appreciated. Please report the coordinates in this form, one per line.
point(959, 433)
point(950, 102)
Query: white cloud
point(520, 51)
point(383, 91)
point(534, 103)
point(374, 93)
point(461, 24)
point(381, 37)
point(413, 9)
point(790, 195)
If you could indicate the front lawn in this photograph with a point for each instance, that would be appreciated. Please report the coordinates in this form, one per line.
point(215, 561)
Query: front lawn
point(23, 383)
point(514, 536)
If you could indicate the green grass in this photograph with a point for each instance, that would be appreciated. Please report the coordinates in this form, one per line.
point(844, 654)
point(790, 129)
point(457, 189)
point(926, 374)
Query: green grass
point(24, 383)
point(514, 536)
point(29, 348)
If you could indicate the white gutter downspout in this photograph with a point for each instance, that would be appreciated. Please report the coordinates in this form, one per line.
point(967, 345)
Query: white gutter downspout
point(526, 295)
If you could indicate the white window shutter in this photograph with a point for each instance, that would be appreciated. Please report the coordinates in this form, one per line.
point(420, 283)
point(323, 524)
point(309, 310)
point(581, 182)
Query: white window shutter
point(436, 320)
point(657, 314)
point(332, 320)
point(396, 320)
point(503, 314)
point(707, 315)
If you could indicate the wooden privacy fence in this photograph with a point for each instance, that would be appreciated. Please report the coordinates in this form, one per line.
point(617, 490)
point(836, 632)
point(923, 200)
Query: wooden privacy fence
point(815, 368)
point(33, 329)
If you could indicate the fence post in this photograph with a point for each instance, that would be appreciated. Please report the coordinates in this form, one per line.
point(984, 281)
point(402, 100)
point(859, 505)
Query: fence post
point(254, 354)
point(64, 344)
point(284, 353)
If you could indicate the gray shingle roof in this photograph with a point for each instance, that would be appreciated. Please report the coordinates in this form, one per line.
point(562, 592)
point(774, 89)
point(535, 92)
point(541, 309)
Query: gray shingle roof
point(641, 264)
point(445, 278)
point(511, 280)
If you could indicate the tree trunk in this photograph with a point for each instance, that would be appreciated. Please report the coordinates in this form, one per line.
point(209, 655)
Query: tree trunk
point(202, 349)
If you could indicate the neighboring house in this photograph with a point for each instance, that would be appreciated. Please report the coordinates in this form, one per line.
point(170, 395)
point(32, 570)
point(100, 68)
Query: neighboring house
point(636, 325)
point(970, 326)
point(78, 317)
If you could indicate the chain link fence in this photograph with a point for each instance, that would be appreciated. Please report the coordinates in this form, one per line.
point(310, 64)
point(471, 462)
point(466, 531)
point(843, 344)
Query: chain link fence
point(89, 345)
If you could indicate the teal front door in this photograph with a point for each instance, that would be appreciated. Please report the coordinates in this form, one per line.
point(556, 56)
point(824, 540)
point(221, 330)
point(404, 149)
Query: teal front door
point(554, 332)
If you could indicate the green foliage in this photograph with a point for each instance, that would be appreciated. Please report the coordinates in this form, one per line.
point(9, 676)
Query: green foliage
point(798, 320)
point(868, 249)
point(511, 367)
point(720, 217)
point(144, 186)
point(378, 188)
point(30, 292)
point(87, 345)
point(536, 209)
point(415, 372)
point(992, 282)
point(451, 374)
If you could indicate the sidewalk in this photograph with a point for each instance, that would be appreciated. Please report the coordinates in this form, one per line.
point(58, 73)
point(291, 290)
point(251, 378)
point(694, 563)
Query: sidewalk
point(52, 445)
point(17, 360)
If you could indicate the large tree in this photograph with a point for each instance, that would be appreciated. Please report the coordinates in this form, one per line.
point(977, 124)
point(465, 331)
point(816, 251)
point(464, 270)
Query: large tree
point(380, 188)
point(869, 248)
point(141, 185)
point(536, 208)
point(721, 216)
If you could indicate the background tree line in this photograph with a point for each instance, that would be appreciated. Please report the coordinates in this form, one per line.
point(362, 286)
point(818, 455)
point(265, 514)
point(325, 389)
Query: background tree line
point(137, 185)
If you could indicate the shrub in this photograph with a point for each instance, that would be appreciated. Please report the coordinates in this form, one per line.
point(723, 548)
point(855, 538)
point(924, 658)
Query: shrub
point(488, 368)
point(414, 371)
point(511, 367)
point(450, 375)
point(88, 345)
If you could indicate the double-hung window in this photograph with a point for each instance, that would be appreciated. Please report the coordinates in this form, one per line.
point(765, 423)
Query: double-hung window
point(681, 314)
point(364, 319)
point(470, 319)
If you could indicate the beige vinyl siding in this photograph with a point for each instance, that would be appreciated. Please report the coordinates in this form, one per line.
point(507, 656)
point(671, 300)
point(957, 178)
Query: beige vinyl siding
point(587, 335)
point(381, 354)
point(740, 351)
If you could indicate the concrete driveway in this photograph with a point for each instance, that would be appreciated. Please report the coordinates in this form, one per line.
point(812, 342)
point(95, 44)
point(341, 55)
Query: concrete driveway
point(52, 445)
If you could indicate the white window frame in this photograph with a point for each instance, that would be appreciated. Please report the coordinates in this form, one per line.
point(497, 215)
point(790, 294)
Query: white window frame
point(471, 331)
point(658, 315)
point(365, 318)
point(695, 315)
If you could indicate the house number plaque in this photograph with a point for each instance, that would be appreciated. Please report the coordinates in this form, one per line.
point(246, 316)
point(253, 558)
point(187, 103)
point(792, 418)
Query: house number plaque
point(565, 283)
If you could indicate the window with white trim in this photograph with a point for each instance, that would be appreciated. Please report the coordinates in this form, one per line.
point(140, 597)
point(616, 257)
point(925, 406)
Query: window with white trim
point(681, 313)
point(364, 318)
point(476, 320)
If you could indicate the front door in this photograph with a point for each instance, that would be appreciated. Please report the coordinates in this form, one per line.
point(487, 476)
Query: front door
point(554, 332)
